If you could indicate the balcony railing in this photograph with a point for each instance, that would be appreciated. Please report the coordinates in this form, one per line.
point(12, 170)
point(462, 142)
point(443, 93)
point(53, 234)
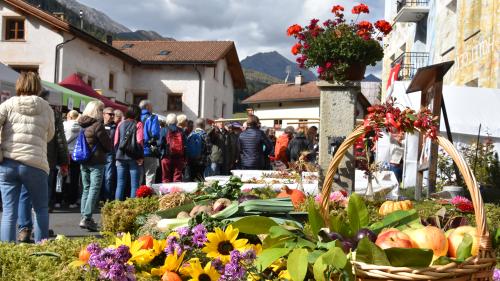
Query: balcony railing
point(410, 62)
point(411, 10)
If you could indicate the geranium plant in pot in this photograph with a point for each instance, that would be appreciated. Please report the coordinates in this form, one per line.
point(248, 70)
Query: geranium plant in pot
point(340, 50)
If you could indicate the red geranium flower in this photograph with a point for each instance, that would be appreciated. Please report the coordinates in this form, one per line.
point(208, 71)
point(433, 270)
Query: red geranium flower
point(296, 48)
point(383, 26)
point(144, 191)
point(294, 30)
point(366, 25)
point(337, 8)
point(361, 8)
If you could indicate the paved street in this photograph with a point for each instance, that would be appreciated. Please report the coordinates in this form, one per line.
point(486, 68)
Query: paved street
point(65, 222)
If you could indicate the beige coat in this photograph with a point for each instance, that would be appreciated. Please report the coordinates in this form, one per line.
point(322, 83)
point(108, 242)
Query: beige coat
point(27, 124)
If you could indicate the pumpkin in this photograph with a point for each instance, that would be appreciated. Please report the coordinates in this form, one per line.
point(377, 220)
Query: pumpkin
point(147, 242)
point(391, 206)
point(170, 276)
point(84, 255)
point(298, 197)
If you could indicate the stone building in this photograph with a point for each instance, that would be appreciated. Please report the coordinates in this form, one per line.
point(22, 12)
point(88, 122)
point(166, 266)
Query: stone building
point(433, 31)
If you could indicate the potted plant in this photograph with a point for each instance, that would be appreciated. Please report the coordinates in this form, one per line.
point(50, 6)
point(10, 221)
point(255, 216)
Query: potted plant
point(340, 50)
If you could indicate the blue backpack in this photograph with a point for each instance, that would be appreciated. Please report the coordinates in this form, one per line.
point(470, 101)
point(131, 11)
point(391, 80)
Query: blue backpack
point(82, 152)
point(194, 145)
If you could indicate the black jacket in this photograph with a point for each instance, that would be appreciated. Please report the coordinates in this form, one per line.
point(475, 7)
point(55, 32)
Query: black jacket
point(96, 134)
point(298, 144)
point(254, 147)
point(57, 148)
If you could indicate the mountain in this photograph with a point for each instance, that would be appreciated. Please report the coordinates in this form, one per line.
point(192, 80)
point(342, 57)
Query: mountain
point(140, 35)
point(95, 22)
point(274, 64)
point(256, 81)
point(94, 16)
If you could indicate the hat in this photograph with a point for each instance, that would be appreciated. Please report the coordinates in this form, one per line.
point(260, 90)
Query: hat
point(235, 125)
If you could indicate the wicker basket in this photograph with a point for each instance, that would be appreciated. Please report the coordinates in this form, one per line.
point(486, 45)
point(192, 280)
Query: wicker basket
point(479, 267)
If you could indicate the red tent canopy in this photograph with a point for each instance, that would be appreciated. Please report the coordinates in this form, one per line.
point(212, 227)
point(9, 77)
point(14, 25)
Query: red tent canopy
point(75, 83)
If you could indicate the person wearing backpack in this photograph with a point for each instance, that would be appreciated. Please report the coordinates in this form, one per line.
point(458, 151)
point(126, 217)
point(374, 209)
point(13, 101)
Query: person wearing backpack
point(173, 144)
point(26, 126)
point(197, 151)
point(254, 146)
point(151, 141)
point(90, 150)
point(129, 146)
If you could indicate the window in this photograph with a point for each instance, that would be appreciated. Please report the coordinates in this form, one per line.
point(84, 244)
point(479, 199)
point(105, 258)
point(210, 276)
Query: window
point(223, 109)
point(90, 81)
point(111, 81)
point(14, 29)
point(24, 68)
point(278, 123)
point(138, 97)
point(215, 107)
point(174, 102)
point(224, 78)
point(215, 73)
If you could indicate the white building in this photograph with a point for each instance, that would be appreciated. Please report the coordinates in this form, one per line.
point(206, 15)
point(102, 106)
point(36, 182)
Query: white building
point(281, 105)
point(197, 78)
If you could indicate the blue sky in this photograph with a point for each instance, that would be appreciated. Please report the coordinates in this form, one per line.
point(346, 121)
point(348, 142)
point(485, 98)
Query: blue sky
point(254, 25)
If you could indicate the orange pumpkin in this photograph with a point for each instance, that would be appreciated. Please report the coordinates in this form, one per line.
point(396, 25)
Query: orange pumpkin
point(147, 240)
point(170, 276)
point(391, 206)
point(298, 197)
point(84, 255)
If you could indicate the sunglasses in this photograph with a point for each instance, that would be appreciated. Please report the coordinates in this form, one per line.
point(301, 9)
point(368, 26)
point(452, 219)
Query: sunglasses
point(110, 114)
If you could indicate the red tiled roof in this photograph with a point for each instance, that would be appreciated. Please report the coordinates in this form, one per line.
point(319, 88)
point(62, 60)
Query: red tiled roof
point(186, 52)
point(285, 92)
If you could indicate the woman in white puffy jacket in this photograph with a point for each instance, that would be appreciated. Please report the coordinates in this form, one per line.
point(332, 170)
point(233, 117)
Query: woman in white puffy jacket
point(72, 131)
point(27, 124)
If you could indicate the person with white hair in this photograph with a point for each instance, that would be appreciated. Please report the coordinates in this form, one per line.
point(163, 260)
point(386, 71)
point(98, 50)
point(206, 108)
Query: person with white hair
point(173, 143)
point(71, 131)
point(182, 121)
point(151, 141)
point(92, 170)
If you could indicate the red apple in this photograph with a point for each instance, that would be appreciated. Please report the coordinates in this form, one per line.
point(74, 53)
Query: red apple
point(393, 238)
point(429, 237)
point(455, 237)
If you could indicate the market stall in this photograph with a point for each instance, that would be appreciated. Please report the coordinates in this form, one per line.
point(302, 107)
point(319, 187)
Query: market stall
point(66, 97)
point(8, 79)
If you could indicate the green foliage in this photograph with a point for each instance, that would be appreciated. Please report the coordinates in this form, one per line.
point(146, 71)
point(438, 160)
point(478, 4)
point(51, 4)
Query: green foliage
point(411, 257)
point(120, 216)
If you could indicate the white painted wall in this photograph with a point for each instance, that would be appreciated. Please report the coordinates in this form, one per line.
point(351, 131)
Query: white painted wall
point(78, 56)
point(37, 49)
point(299, 110)
point(216, 93)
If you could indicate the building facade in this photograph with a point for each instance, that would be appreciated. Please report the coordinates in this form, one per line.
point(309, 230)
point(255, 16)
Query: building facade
point(197, 78)
point(427, 32)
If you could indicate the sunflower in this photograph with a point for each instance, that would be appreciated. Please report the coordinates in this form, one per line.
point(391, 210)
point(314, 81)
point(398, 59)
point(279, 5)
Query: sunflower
point(172, 263)
point(198, 273)
point(139, 256)
point(221, 243)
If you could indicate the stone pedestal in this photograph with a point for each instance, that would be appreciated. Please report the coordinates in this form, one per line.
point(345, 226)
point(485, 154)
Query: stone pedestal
point(338, 119)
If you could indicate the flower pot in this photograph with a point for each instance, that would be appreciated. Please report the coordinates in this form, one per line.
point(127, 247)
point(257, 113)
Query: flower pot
point(355, 72)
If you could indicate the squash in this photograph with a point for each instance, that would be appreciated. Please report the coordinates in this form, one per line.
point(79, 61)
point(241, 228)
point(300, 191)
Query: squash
point(147, 242)
point(391, 206)
point(84, 255)
point(170, 276)
point(298, 197)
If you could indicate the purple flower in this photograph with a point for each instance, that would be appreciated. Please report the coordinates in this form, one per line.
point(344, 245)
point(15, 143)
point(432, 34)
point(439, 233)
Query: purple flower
point(123, 254)
point(112, 263)
point(235, 270)
point(183, 231)
point(173, 246)
point(199, 235)
point(249, 256)
point(217, 264)
point(496, 274)
point(94, 248)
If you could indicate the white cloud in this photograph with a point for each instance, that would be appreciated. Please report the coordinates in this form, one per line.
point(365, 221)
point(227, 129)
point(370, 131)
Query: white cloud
point(254, 25)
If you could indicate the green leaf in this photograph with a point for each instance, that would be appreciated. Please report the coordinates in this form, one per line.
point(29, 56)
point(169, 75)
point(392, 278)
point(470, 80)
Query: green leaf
point(314, 255)
point(496, 238)
point(315, 219)
point(227, 212)
point(339, 225)
point(268, 256)
point(399, 218)
point(370, 253)
point(254, 225)
point(409, 257)
point(443, 261)
point(465, 248)
point(357, 213)
point(303, 243)
point(278, 231)
point(297, 264)
point(334, 258)
point(329, 245)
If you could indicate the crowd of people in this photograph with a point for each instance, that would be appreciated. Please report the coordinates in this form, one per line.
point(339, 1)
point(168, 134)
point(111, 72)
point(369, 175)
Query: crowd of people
point(104, 154)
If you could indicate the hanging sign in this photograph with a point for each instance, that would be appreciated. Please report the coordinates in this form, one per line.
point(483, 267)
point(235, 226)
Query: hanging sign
point(82, 106)
point(70, 103)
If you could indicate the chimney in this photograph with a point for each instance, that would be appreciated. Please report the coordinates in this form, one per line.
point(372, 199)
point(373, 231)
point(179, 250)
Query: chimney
point(109, 39)
point(298, 79)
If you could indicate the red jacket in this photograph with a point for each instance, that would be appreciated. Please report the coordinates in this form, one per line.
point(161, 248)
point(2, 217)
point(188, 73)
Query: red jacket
point(280, 148)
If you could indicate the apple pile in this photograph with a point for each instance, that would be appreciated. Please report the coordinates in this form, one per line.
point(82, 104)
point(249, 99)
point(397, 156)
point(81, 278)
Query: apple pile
point(428, 237)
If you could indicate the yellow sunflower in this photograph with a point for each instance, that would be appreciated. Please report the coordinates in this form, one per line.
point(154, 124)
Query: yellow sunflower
point(139, 256)
point(221, 243)
point(198, 273)
point(172, 263)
